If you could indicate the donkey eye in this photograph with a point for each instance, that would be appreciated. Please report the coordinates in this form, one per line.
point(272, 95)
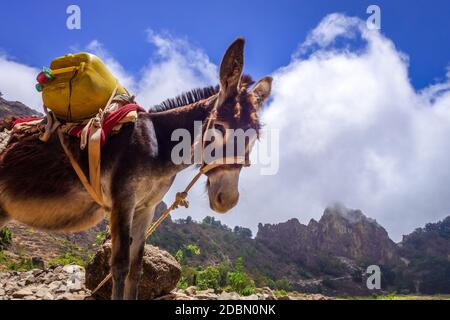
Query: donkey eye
point(220, 128)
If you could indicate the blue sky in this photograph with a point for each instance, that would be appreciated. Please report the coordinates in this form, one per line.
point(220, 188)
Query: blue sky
point(34, 31)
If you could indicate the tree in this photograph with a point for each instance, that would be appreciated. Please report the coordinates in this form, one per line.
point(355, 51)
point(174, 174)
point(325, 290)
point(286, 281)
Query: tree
point(243, 232)
point(239, 281)
point(208, 279)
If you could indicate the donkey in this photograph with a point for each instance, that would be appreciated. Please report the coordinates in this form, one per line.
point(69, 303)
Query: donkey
point(39, 187)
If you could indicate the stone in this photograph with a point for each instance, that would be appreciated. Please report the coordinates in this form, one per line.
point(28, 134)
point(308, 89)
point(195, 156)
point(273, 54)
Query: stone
point(48, 296)
point(285, 297)
point(22, 293)
point(41, 293)
point(37, 272)
point(70, 296)
point(190, 291)
point(29, 280)
point(58, 269)
point(61, 289)
point(251, 297)
point(54, 285)
point(268, 294)
point(161, 273)
point(228, 296)
point(73, 269)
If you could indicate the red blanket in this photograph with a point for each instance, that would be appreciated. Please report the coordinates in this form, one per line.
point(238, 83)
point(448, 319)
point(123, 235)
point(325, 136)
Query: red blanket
point(108, 124)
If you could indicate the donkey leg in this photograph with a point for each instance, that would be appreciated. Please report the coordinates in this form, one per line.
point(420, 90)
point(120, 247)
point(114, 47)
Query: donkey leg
point(121, 216)
point(4, 219)
point(141, 221)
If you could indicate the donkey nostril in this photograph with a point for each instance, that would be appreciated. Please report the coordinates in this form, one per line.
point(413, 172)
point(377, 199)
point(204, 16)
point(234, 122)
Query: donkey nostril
point(220, 198)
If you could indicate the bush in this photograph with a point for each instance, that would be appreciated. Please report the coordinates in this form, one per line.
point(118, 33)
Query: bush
point(21, 264)
point(70, 257)
point(224, 267)
point(208, 279)
point(100, 238)
point(239, 281)
point(5, 238)
point(188, 277)
point(283, 284)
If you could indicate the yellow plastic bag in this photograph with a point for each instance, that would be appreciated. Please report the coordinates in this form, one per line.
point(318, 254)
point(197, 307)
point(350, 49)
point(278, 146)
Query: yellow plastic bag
point(81, 85)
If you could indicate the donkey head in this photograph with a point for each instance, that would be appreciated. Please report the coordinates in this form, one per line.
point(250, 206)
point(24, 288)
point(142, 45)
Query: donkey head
point(235, 123)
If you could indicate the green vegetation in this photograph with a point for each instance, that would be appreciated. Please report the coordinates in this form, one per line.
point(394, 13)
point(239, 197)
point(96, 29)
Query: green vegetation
point(100, 238)
point(208, 278)
point(15, 264)
point(239, 281)
point(395, 296)
point(223, 277)
point(73, 255)
point(67, 258)
point(5, 238)
point(243, 232)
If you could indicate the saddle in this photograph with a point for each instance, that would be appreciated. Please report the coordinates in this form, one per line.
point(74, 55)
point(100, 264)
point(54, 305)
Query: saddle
point(92, 133)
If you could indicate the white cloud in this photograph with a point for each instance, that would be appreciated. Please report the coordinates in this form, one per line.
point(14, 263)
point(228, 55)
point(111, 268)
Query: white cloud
point(177, 67)
point(127, 80)
point(17, 82)
point(354, 130)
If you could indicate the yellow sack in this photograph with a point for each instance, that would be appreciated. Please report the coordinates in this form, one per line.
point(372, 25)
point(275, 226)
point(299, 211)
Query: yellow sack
point(80, 85)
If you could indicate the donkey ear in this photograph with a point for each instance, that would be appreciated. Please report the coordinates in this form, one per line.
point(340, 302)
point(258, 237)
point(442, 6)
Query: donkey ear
point(261, 91)
point(231, 68)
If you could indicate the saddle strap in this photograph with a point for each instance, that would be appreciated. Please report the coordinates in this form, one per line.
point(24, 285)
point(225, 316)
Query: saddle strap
point(84, 180)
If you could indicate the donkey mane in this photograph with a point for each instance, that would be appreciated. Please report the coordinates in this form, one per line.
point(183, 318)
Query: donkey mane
point(185, 99)
point(194, 96)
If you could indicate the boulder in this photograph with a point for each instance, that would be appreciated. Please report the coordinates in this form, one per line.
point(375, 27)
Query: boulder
point(161, 273)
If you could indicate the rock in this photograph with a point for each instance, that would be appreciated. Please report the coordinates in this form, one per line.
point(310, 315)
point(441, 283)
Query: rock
point(38, 262)
point(29, 280)
point(228, 296)
point(61, 289)
point(54, 285)
point(252, 297)
point(73, 269)
point(208, 291)
point(58, 269)
point(191, 291)
point(70, 296)
point(268, 294)
point(22, 293)
point(37, 272)
point(48, 296)
point(161, 273)
point(41, 293)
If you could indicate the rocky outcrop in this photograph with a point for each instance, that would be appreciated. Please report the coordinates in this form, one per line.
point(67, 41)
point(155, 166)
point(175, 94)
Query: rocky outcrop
point(14, 108)
point(339, 233)
point(161, 273)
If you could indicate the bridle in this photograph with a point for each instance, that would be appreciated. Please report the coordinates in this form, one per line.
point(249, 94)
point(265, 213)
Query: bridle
point(206, 167)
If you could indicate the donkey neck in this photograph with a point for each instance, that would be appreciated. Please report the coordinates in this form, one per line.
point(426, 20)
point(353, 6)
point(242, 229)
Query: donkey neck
point(166, 122)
